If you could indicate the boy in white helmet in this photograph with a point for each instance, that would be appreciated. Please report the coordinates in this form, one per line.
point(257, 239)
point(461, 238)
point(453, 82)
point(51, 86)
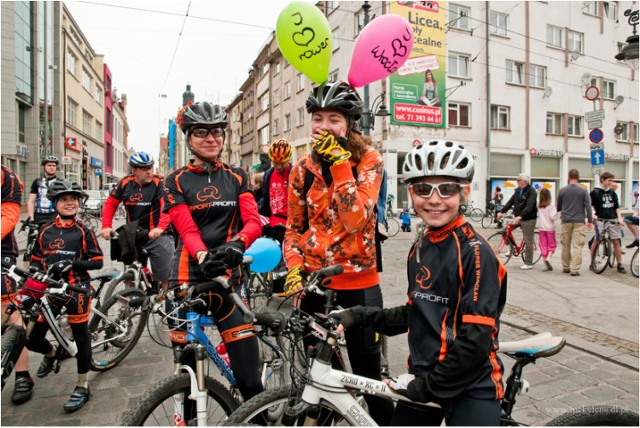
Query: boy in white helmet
point(457, 290)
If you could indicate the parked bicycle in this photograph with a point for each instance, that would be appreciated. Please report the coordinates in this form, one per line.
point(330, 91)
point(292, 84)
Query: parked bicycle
point(603, 256)
point(506, 245)
point(472, 212)
point(327, 396)
point(391, 225)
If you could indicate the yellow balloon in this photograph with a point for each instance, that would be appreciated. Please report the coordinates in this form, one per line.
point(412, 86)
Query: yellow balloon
point(305, 39)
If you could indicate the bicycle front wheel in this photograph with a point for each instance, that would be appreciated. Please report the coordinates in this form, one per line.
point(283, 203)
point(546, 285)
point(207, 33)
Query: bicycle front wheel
point(476, 214)
point(167, 404)
point(392, 227)
point(115, 329)
point(537, 253)
point(487, 220)
point(612, 416)
point(121, 283)
point(601, 256)
point(11, 350)
point(275, 403)
point(634, 264)
point(503, 248)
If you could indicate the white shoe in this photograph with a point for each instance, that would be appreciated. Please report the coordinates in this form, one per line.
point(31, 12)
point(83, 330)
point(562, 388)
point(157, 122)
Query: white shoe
point(526, 267)
point(507, 253)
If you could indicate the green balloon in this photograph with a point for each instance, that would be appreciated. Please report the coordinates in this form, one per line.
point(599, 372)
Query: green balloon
point(305, 40)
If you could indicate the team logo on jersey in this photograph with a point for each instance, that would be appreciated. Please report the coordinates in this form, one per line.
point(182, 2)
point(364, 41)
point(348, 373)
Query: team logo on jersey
point(136, 198)
point(209, 192)
point(57, 244)
point(423, 277)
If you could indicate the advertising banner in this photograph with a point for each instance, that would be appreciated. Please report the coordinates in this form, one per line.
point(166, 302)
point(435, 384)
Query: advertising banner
point(418, 87)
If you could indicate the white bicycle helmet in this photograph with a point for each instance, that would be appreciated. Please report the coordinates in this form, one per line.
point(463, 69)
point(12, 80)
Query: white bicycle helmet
point(438, 158)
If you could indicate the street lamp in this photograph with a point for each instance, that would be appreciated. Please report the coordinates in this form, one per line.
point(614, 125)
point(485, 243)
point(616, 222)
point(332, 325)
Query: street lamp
point(368, 116)
point(629, 53)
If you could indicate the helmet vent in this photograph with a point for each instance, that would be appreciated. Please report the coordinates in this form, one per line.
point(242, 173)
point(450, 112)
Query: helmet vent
point(445, 161)
point(418, 162)
point(431, 161)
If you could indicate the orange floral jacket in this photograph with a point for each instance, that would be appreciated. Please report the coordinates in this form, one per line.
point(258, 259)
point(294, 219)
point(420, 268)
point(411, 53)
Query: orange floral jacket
point(341, 227)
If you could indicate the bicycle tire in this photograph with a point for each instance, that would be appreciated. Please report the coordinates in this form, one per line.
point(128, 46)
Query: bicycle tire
point(601, 256)
point(601, 415)
point(487, 220)
point(281, 399)
point(476, 214)
point(537, 252)
point(118, 284)
point(9, 352)
point(155, 407)
point(634, 264)
point(393, 227)
point(108, 348)
point(504, 250)
point(259, 290)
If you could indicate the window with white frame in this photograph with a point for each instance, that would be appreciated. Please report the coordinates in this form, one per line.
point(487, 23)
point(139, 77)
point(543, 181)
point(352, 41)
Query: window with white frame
point(458, 65)
point(333, 76)
point(287, 90)
point(515, 72)
point(575, 42)
point(624, 135)
point(611, 10)
point(287, 122)
point(99, 94)
point(276, 126)
point(264, 69)
point(459, 114)
point(336, 39)
point(276, 96)
point(554, 123)
point(555, 36)
point(86, 80)
point(72, 107)
point(86, 122)
point(590, 7)
point(99, 131)
point(299, 82)
point(71, 62)
point(575, 125)
point(300, 117)
point(276, 67)
point(608, 89)
point(498, 23)
point(264, 136)
point(359, 25)
point(459, 17)
point(500, 117)
point(264, 102)
point(537, 76)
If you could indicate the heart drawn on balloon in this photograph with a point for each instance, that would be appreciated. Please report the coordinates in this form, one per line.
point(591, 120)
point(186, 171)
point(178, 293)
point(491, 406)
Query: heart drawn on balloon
point(300, 37)
point(399, 49)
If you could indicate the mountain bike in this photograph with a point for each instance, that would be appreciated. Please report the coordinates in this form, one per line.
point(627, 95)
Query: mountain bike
point(506, 245)
point(391, 225)
point(473, 213)
point(330, 396)
point(603, 256)
point(634, 263)
point(135, 276)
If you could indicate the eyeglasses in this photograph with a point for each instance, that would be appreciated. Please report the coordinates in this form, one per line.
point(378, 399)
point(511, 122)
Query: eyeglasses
point(145, 168)
point(203, 132)
point(445, 190)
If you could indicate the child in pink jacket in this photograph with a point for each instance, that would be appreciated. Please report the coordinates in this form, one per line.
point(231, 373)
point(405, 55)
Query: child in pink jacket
point(547, 213)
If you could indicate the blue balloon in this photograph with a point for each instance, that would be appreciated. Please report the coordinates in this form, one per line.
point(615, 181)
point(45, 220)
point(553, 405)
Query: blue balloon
point(266, 255)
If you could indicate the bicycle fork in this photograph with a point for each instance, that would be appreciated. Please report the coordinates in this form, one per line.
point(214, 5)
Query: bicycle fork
point(198, 391)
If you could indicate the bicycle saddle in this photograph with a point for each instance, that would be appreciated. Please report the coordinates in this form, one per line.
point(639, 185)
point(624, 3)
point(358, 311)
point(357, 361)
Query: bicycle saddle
point(539, 345)
point(108, 273)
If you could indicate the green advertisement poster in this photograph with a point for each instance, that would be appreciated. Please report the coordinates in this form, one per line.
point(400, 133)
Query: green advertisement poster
point(418, 87)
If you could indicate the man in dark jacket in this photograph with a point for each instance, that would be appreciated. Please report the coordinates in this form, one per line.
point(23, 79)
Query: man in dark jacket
point(525, 208)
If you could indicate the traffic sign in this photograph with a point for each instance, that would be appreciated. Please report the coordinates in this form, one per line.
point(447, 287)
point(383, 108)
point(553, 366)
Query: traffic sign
point(595, 136)
point(597, 146)
point(594, 124)
point(597, 157)
point(597, 170)
point(591, 116)
point(618, 129)
point(592, 93)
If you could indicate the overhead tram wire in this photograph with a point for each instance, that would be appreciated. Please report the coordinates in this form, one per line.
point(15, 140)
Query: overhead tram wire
point(175, 51)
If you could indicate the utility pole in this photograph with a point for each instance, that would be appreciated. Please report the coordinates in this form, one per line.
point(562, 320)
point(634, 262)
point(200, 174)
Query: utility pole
point(366, 116)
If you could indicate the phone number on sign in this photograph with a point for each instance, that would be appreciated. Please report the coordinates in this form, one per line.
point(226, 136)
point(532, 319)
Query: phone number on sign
point(417, 114)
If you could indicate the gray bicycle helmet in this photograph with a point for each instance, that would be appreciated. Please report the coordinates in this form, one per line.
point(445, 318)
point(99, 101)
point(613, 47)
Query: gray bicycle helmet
point(141, 159)
point(50, 159)
point(202, 113)
point(64, 187)
point(438, 158)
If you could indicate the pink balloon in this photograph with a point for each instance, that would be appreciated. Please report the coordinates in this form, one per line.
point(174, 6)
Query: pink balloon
point(381, 48)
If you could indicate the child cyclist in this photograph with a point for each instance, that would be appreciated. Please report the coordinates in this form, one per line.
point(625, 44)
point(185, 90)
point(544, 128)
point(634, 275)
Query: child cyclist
point(457, 290)
point(67, 249)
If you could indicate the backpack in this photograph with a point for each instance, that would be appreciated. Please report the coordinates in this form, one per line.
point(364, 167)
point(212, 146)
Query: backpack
point(379, 237)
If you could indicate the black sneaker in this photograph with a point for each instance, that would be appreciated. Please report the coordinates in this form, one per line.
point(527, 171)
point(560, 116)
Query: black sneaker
point(22, 391)
point(46, 366)
point(621, 269)
point(79, 397)
point(633, 244)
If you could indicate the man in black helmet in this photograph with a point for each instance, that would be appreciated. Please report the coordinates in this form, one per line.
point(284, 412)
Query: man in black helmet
point(39, 207)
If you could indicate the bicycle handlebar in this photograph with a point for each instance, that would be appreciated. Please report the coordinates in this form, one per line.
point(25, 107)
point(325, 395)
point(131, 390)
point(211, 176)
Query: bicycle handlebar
point(43, 277)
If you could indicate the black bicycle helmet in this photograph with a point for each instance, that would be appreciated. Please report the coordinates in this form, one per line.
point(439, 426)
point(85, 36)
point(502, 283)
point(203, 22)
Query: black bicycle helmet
point(50, 159)
point(64, 187)
point(141, 159)
point(338, 96)
point(202, 113)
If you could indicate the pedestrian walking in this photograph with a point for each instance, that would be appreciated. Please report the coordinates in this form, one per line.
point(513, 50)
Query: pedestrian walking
point(524, 203)
point(574, 205)
point(547, 214)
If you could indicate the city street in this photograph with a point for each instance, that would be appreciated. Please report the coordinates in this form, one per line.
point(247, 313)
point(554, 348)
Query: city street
point(596, 314)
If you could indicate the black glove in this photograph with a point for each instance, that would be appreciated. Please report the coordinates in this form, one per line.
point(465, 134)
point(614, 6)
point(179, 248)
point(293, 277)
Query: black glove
point(59, 269)
point(355, 315)
point(233, 253)
point(213, 266)
point(344, 316)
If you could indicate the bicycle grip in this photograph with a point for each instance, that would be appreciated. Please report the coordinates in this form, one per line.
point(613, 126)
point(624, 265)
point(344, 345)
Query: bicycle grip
point(205, 287)
point(275, 321)
point(78, 289)
point(330, 271)
point(18, 270)
point(246, 312)
point(136, 302)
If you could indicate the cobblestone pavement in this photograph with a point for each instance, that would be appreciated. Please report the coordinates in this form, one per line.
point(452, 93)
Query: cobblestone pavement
point(598, 365)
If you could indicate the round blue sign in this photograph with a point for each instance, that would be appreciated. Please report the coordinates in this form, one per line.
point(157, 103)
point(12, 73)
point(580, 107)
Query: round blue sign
point(596, 135)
